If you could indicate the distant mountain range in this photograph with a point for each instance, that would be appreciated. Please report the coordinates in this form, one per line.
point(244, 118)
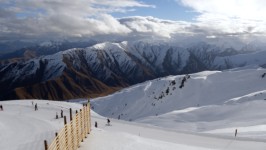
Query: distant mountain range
point(107, 67)
point(21, 51)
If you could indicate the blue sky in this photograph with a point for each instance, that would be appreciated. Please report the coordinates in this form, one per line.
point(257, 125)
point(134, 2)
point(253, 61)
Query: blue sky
point(164, 9)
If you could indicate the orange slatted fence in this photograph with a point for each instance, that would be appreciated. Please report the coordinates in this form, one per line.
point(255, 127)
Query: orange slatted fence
point(74, 132)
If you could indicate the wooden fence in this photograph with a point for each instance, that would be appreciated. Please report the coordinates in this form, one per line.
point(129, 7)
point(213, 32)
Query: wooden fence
point(73, 132)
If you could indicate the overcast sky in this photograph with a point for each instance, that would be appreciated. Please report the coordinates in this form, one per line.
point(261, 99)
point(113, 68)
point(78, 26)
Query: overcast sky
point(63, 19)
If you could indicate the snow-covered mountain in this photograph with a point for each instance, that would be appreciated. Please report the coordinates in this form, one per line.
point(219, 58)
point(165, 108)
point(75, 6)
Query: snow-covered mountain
point(214, 102)
point(35, 50)
point(197, 111)
point(107, 67)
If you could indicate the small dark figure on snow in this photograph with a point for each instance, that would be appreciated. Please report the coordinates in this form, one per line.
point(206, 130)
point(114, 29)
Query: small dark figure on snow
point(182, 82)
point(118, 117)
point(56, 116)
point(96, 124)
point(1, 107)
point(108, 121)
point(235, 132)
point(182, 85)
point(36, 107)
point(263, 75)
point(62, 113)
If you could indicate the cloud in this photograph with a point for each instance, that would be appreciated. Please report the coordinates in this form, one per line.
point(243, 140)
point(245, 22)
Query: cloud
point(53, 19)
point(154, 27)
point(62, 18)
point(230, 17)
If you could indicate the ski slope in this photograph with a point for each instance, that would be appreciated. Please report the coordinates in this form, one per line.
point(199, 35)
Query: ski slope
point(123, 135)
point(155, 115)
point(212, 102)
point(22, 128)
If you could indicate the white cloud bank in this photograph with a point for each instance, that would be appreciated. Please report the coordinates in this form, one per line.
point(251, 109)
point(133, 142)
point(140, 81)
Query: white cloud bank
point(62, 18)
point(151, 26)
point(52, 19)
point(231, 17)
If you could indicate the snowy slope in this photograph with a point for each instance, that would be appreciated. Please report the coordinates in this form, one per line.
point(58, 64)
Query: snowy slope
point(24, 129)
point(123, 135)
point(50, 66)
point(209, 102)
point(247, 117)
point(204, 88)
point(256, 58)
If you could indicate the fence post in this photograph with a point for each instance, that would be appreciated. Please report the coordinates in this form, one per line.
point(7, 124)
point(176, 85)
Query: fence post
point(70, 111)
point(45, 145)
point(84, 122)
point(71, 130)
point(66, 132)
point(88, 116)
point(77, 127)
point(57, 141)
point(89, 106)
point(86, 119)
point(81, 125)
point(65, 120)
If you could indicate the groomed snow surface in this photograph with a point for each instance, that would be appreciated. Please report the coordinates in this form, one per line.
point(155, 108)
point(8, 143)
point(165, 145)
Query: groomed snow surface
point(202, 115)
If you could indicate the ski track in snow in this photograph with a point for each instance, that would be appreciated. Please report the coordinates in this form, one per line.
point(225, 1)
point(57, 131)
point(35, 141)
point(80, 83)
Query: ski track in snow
point(147, 86)
point(258, 95)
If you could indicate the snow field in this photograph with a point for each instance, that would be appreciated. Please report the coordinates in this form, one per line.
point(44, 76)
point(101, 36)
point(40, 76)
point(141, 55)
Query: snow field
point(22, 128)
point(202, 115)
point(123, 135)
point(212, 102)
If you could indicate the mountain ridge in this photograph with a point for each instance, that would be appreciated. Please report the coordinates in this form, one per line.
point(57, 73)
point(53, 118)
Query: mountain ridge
point(113, 66)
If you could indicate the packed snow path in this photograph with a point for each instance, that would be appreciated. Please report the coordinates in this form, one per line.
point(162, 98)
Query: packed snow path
point(122, 135)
